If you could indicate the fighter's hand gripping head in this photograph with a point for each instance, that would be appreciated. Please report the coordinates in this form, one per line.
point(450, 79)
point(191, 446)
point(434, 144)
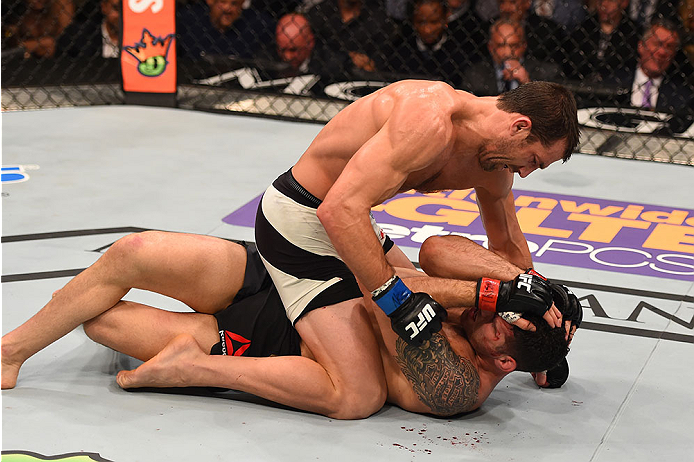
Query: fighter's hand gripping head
point(527, 293)
point(572, 312)
point(568, 304)
point(413, 316)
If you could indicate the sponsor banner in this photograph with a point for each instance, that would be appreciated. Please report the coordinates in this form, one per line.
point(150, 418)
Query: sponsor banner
point(148, 58)
point(566, 230)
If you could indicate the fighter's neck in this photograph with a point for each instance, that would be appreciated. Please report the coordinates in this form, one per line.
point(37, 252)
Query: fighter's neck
point(489, 374)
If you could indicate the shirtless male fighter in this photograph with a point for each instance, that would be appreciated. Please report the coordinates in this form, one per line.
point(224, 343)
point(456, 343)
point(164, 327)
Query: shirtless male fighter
point(315, 234)
point(456, 372)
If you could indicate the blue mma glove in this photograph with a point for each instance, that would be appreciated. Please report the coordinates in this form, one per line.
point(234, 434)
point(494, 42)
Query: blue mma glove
point(413, 316)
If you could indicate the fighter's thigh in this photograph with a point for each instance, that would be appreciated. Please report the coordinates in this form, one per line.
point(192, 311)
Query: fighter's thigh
point(342, 340)
point(203, 272)
point(142, 331)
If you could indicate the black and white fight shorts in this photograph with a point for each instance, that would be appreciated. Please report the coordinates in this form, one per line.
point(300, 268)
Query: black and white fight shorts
point(255, 323)
point(297, 252)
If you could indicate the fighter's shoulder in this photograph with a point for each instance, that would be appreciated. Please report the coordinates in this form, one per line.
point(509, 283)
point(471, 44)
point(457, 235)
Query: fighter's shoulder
point(423, 110)
point(434, 95)
point(446, 382)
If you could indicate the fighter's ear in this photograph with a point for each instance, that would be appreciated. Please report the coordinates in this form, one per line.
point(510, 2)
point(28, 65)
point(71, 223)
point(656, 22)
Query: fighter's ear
point(505, 363)
point(521, 125)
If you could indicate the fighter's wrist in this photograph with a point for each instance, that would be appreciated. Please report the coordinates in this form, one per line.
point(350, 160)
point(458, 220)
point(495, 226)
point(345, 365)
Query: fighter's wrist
point(391, 295)
point(487, 296)
point(386, 285)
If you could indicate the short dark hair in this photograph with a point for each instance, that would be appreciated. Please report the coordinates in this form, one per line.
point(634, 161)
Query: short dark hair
point(551, 109)
point(412, 6)
point(537, 351)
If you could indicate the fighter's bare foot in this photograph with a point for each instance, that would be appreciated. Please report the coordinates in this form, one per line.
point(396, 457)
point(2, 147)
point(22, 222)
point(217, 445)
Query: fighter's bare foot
point(170, 368)
point(10, 369)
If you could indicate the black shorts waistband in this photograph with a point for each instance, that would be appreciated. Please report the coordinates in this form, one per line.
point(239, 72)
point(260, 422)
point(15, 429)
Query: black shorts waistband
point(287, 185)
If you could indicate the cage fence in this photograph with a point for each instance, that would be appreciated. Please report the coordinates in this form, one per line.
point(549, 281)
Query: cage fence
point(628, 65)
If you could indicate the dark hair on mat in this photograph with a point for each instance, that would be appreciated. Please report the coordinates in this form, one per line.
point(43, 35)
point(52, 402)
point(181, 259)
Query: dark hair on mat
point(537, 351)
point(551, 109)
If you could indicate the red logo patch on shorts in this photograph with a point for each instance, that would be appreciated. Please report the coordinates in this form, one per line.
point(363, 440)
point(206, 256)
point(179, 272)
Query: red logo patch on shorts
point(236, 344)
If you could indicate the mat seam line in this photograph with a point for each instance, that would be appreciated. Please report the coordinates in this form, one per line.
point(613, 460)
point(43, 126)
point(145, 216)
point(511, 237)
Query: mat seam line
point(623, 405)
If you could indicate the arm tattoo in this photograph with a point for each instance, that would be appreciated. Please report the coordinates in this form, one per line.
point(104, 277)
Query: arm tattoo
point(447, 383)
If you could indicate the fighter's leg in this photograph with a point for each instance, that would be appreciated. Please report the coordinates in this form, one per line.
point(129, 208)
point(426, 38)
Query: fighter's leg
point(201, 271)
point(346, 381)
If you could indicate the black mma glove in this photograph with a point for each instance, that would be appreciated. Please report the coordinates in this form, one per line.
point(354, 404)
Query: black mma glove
point(527, 293)
point(568, 304)
point(557, 376)
point(413, 316)
point(571, 310)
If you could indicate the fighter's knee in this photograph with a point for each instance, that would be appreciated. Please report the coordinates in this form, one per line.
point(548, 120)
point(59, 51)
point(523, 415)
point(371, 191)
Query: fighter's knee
point(360, 404)
point(132, 246)
point(428, 252)
point(96, 329)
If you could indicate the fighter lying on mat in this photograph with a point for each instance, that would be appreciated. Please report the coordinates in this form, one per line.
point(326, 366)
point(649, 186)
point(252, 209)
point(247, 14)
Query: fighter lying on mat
point(456, 372)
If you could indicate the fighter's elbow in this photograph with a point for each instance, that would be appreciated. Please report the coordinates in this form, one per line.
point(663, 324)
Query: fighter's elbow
point(327, 213)
point(334, 213)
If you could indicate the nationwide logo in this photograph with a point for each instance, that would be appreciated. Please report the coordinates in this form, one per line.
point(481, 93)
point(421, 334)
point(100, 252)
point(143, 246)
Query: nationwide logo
point(151, 53)
point(608, 235)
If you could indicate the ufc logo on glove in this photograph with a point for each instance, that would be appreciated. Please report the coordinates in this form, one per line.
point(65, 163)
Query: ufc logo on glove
point(423, 319)
point(413, 316)
point(525, 282)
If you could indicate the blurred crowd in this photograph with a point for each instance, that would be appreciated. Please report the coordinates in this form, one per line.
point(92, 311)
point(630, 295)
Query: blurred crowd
point(627, 52)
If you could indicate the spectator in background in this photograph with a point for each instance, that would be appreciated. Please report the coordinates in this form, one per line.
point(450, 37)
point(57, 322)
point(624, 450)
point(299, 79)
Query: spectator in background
point(295, 41)
point(590, 6)
point(656, 84)
point(36, 26)
point(653, 87)
point(603, 44)
point(94, 32)
point(642, 12)
point(686, 12)
point(428, 51)
point(274, 8)
point(349, 35)
point(508, 66)
point(468, 29)
point(223, 28)
point(566, 13)
point(545, 38)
